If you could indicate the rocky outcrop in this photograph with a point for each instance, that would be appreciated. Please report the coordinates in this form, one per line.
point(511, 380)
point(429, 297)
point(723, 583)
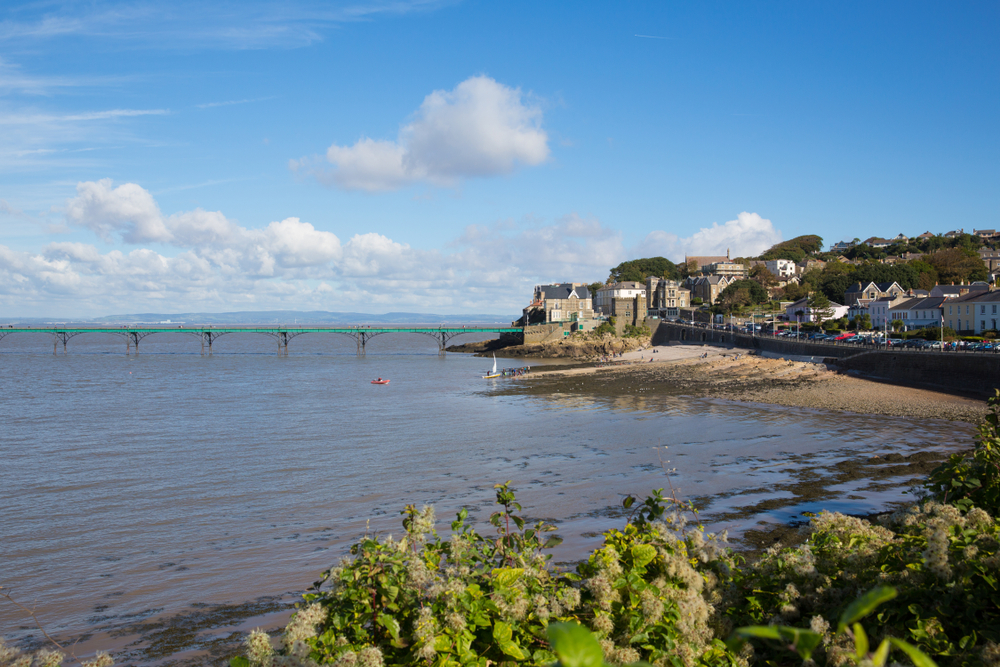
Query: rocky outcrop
point(572, 348)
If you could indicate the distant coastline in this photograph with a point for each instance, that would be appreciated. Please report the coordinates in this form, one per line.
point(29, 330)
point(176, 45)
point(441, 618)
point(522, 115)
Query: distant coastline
point(271, 317)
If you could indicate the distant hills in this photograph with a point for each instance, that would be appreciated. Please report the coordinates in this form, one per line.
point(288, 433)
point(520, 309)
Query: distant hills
point(276, 317)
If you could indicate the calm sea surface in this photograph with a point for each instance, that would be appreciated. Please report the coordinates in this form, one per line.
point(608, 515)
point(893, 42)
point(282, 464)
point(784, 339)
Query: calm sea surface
point(144, 486)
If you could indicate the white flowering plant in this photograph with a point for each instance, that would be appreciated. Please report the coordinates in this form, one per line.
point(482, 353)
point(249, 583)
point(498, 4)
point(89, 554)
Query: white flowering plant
point(473, 601)
point(943, 564)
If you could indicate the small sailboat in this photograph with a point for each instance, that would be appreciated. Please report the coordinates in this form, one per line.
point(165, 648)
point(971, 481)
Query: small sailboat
point(493, 373)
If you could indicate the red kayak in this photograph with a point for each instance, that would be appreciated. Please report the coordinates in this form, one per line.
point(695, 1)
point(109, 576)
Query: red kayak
point(380, 381)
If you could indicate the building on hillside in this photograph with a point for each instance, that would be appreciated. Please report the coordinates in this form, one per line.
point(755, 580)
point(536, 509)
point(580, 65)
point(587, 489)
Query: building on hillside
point(877, 242)
point(986, 234)
point(560, 302)
point(991, 258)
point(917, 313)
point(781, 268)
point(707, 288)
point(974, 312)
point(843, 246)
point(926, 236)
point(665, 298)
point(732, 270)
point(702, 261)
point(880, 309)
point(808, 265)
point(956, 291)
point(605, 298)
point(799, 311)
point(864, 294)
point(954, 233)
point(910, 256)
point(900, 238)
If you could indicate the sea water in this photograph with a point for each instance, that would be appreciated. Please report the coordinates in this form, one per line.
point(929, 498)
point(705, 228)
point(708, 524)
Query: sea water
point(144, 486)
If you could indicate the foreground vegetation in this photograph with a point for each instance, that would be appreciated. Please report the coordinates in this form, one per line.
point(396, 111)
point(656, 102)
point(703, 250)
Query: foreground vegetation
point(663, 591)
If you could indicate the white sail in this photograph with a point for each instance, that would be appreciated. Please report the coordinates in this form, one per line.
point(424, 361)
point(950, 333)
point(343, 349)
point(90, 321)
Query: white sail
point(494, 364)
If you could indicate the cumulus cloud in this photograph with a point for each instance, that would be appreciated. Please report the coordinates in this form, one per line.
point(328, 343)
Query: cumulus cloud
point(481, 128)
point(746, 236)
point(202, 260)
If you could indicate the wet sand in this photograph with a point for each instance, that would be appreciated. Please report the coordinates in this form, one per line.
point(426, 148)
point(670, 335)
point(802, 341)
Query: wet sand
point(733, 374)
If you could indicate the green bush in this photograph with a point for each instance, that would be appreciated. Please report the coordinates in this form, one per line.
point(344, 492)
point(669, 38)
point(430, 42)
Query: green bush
point(661, 591)
point(641, 331)
point(604, 328)
point(478, 600)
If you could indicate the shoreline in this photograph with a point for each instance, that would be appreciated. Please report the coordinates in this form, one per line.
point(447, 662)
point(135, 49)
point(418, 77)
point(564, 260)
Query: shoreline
point(706, 371)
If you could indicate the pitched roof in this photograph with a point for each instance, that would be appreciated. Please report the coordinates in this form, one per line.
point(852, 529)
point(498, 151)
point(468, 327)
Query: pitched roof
point(564, 291)
point(705, 260)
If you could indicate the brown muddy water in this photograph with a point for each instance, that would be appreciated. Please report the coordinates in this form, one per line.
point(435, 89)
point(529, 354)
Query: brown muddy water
point(158, 506)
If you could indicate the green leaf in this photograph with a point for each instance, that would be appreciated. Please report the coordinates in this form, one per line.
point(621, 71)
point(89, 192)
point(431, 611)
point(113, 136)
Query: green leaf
point(502, 632)
point(575, 645)
point(390, 624)
point(442, 644)
point(804, 641)
point(506, 576)
point(881, 653)
point(643, 554)
point(552, 542)
point(865, 605)
point(917, 657)
point(860, 641)
point(239, 661)
point(512, 649)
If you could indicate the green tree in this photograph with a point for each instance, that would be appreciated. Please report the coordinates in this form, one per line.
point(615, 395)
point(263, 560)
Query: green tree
point(819, 305)
point(958, 265)
point(795, 249)
point(593, 287)
point(638, 270)
point(754, 292)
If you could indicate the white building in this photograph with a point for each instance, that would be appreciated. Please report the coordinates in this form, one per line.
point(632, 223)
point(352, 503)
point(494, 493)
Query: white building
point(917, 313)
point(605, 297)
point(781, 268)
point(799, 311)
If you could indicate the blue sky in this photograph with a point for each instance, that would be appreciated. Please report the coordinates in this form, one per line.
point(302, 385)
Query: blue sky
point(446, 156)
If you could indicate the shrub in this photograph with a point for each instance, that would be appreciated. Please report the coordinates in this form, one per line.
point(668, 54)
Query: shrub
point(974, 479)
point(648, 593)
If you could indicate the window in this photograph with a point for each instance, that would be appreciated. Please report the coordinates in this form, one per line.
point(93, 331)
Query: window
point(949, 310)
point(982, 310)
point(982, 325)
point(994, 309)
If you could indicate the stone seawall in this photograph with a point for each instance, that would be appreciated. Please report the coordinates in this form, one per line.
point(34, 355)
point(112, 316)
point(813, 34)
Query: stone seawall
point(975, 374)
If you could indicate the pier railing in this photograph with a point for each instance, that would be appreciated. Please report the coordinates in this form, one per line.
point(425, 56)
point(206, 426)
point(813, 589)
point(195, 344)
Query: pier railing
point(282, 333)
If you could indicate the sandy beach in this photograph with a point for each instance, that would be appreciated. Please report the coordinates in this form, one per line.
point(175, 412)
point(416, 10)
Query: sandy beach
point(735, 374)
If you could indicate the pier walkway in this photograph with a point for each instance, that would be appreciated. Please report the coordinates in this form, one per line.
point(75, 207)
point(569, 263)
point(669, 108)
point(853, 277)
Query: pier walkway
point(282, 333)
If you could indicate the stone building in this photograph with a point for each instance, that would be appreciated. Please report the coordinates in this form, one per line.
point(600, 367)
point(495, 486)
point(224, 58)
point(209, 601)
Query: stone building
point(665, 298)
point(560, 302)
point(605, 298)
point(707, 288)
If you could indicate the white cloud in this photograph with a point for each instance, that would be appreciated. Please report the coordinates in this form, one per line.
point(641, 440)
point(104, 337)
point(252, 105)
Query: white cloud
point(746, 236)
point(128, 209)
point(481, 128)
point(186, 24)
point(206, 261)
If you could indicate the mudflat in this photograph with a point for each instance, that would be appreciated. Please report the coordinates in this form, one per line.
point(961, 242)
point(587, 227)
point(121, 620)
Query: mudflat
point(734, 374)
